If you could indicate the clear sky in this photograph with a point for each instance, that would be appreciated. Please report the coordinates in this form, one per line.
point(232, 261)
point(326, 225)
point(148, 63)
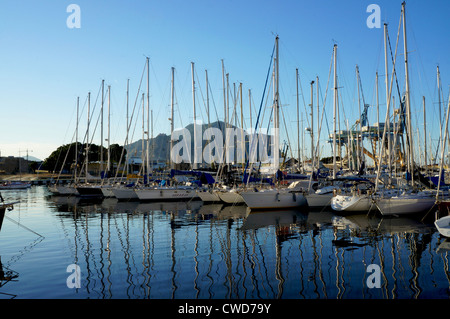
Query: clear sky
point(45, 65)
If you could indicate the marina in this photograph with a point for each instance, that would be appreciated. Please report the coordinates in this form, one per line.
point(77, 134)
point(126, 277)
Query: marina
point(209, 187)
point(196, 250)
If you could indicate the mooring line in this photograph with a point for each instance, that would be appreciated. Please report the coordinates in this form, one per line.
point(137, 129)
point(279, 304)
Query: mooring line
point(19, 224)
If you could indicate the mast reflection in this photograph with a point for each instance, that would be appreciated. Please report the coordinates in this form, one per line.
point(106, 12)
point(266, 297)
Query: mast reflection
point(200, 251)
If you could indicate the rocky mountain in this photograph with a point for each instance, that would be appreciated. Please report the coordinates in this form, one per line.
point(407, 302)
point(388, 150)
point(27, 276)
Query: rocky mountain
point(160, 145)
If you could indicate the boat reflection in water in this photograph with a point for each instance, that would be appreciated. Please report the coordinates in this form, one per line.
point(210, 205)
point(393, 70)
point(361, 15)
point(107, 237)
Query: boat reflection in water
point(195, 250)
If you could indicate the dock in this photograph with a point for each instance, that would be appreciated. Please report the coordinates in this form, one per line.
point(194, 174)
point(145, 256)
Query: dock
point(38, 178)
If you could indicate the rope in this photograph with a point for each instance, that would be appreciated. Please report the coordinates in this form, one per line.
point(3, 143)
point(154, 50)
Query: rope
point(19, 224)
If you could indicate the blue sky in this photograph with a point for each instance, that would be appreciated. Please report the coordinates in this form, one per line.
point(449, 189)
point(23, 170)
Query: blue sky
point(45, 65)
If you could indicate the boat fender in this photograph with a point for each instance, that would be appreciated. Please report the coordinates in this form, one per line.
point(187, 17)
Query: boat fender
point(294, 197)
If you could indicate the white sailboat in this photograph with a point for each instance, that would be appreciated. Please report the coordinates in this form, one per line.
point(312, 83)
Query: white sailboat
point(315, 197)
point(276, 198)
point(124, 193)
point(166, 193)
point(3, 207)
point(405, 204)
point(208, 195)
point(68, 190)
point(351, 203)
point(318, 200)
point(231, 196)
point(443, 226)
point(15, 185)
point(273, 199)
point(176, 192)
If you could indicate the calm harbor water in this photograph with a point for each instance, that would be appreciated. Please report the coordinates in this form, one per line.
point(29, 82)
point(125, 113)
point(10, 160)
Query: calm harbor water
point(192, 250)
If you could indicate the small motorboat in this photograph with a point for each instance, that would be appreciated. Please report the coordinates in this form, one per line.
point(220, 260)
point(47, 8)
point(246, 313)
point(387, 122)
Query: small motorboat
point(443, 226)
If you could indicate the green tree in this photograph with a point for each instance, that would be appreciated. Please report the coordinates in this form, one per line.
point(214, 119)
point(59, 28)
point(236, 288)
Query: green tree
point(63, 158)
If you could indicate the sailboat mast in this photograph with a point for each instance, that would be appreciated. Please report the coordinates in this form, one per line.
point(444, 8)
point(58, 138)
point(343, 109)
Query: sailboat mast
point(298, 123)
point(378, 112)
point(386, 77)
point(87, 136)
point(312, 125)
point(128, 125)
point(276, 106)
point(108, 168)
point(172, 94)
point(207, 97)
point(439, 104)
point(334, 112)
point(148, 116)
point(76, 141)
point(195, 131)
point(242, 129)
point(442, 150)
point(358, 140)
point(318, 121)
point(228, 123)
point(425, 135)
point(143, 135)
point(250, 106)
point(408, 101)
point(101, 129)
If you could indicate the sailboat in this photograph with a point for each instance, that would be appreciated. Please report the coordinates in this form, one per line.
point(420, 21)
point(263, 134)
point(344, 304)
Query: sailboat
point(174, 192)
point(208, 195)
point(351, 203)
point(15, 185)
point(230, 196)
point(89, 190)
point(405, 203)
point(166, 193)
point(358, 199)
point(3, 206)
point(279, 197)
point(408, 202)
point(443, 226)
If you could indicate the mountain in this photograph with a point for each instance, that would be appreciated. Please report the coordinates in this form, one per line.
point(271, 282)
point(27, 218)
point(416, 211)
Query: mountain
point(31, 158)
point(161, 143)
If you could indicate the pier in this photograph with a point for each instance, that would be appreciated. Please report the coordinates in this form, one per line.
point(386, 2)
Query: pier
point(38, 178)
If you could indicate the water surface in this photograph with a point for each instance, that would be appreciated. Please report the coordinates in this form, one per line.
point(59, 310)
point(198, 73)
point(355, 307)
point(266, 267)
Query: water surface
point(191, 250)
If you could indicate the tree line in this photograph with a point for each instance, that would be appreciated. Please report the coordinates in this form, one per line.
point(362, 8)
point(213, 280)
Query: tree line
point(64, 157)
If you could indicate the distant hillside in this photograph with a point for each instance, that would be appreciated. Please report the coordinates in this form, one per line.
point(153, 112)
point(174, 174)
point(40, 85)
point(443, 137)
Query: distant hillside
point(161, 143)
point(31, 158)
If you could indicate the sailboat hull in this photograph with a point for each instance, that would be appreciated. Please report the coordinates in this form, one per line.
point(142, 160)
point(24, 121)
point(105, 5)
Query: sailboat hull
point(404, 205)
point(2, 215)
point(53, 189)
point(273, 199)
point(107, 191)
point(208, 196)
point(351, 203)
point(15, 185)
point(319, 200)
point(169, 193)
point(230, 197)
point(90, 191)
point(67, 190)
point(124, 193)
point(443, 226)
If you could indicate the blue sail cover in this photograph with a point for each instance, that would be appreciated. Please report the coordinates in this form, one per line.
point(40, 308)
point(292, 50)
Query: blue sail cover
point(204, 177)
point(255, 179)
